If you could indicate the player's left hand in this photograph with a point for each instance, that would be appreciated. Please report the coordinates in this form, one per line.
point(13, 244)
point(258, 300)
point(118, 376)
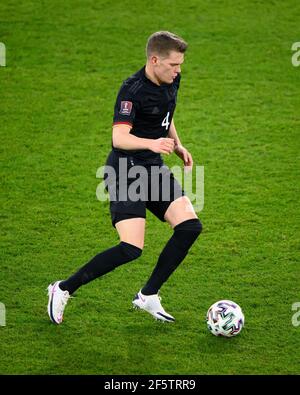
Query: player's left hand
point(185, 155)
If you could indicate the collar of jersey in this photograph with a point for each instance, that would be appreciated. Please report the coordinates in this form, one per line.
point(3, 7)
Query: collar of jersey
point(162, 86)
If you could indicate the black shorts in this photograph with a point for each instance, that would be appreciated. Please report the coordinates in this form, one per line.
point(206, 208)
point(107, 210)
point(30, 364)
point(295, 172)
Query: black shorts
point(133, 188)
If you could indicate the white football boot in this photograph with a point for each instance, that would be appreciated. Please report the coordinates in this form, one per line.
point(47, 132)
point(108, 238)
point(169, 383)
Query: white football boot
point(57, 302)
point(151, 303)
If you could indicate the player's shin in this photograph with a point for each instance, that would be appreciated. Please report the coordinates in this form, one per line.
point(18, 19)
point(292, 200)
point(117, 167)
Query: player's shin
point(173, 254)
point(101, 264)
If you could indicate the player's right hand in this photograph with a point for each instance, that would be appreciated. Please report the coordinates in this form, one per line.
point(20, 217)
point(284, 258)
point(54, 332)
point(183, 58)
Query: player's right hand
point(163, 145)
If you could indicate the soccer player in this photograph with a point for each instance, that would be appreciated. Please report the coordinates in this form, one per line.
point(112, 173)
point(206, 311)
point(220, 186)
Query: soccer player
point(143, 129)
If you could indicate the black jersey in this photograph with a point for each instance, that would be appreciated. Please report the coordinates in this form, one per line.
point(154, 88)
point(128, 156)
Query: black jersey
point(148, 108)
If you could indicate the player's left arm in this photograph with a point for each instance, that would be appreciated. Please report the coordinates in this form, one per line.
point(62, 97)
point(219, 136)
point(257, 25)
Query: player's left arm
point(180, 150)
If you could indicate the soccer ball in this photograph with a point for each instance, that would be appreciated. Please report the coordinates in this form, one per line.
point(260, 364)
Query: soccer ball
point(225, 318)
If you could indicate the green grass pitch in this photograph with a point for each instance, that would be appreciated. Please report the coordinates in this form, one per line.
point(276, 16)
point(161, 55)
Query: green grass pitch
point(238, 113)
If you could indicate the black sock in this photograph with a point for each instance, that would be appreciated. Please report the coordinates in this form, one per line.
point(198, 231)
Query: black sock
point(173, 254)
point(101, 264)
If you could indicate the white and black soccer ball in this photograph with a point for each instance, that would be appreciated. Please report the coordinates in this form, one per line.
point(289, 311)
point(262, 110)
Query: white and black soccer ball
point(225, 318)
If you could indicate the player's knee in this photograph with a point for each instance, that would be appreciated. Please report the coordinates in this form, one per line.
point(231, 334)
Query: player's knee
point(190, 226)
point(197, 228)
point(187, 232)
point(130, 251)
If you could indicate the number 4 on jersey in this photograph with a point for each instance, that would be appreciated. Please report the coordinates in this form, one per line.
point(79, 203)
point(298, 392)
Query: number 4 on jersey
point(166, 122)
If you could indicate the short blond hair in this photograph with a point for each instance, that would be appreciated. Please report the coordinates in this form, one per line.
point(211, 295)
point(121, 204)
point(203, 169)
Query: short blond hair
point(163, 42)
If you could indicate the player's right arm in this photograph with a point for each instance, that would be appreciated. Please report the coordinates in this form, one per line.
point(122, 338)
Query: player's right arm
point(122, 139)
point(125, 109)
